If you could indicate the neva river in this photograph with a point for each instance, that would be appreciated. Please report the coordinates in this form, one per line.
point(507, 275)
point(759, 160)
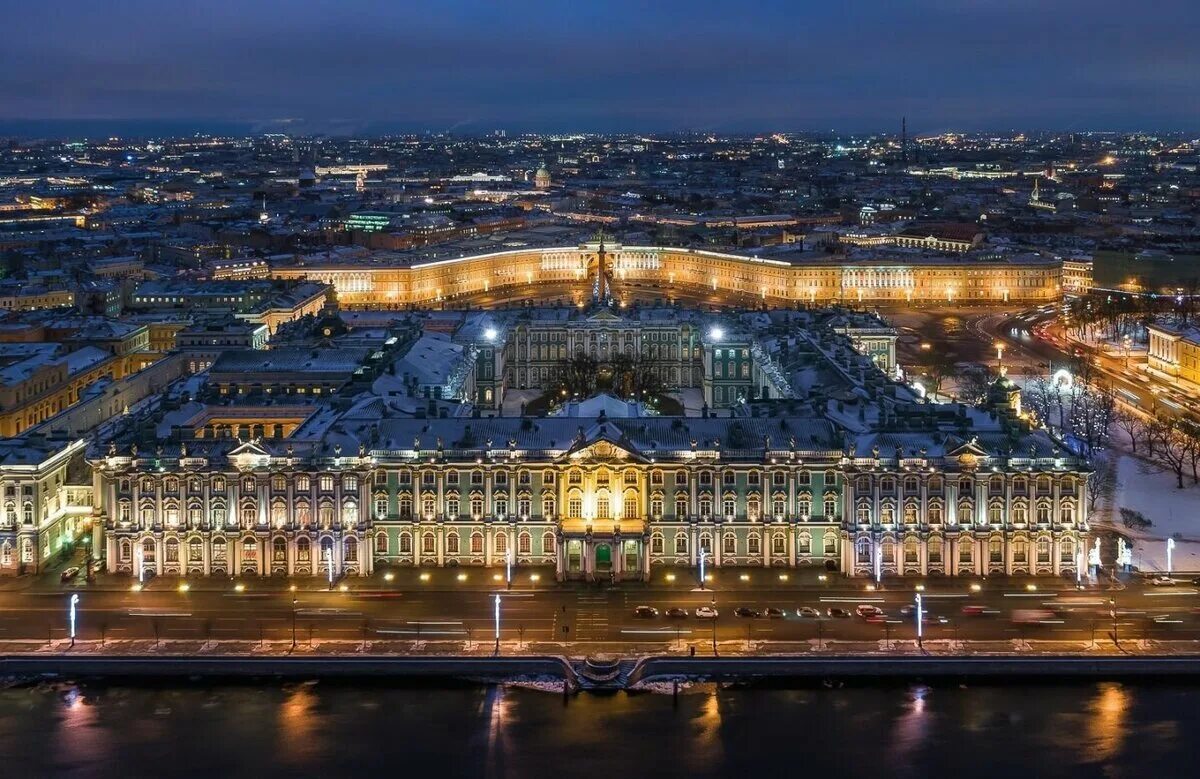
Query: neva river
point(341, 729)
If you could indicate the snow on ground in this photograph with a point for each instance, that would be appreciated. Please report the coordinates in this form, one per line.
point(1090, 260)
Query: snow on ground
point(1148, 488)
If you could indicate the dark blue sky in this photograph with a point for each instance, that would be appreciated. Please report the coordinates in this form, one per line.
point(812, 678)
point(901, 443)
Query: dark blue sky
point(475, 65)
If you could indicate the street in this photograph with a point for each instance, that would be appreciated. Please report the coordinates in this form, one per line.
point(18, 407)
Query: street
point(580, 615)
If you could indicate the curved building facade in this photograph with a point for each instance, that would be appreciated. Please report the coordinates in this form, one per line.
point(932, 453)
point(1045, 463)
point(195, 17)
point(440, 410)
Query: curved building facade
point(375, 284)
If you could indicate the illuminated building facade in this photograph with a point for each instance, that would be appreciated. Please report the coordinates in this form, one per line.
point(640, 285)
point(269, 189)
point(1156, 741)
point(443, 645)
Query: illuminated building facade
point(817, 282)
point(598, 499)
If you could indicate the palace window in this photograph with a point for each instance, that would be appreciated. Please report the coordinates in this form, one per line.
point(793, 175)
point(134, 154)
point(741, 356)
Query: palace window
point(524, 544)
point(548, 543)
point(602, 508)
point(706, 506)
point(476, 506)
point(1020, 551)
point(681, 507)
point(405, 506)
point(730, 507)
point(729, 544)
point(862, 549)
point(278, 483)
point(934, 549)
point(405, 543)
point(753, 545)
point(303, 484)
point(452, 543)
point(830, 508)
point(428, 543)
point(325, 482)
point(501, 543)
point(681, 543)
point(656, 544)
point(349, 483)
point(381, 543)
point(995, 551)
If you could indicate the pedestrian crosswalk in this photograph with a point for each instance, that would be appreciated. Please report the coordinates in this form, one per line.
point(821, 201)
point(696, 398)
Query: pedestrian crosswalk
point(591, 616)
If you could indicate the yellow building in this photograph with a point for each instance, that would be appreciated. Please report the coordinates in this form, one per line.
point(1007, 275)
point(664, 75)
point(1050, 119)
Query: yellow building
point(1175, 353)
point(374, 283)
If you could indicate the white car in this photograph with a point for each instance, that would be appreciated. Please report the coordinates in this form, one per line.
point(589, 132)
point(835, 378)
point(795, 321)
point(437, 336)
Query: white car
point(1162, 581)
point(706, 612)
point(808, 611)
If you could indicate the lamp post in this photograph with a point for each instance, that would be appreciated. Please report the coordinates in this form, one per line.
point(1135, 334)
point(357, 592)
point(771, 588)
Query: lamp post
point(71, 604)
point(714, 624)
point(920, 619)
point(329, 559)
point(140, 554)
point(878, 563)
point(497, 617)
point(293, 624)
point(703, 555)
point(1170, 550)
point(508, 569)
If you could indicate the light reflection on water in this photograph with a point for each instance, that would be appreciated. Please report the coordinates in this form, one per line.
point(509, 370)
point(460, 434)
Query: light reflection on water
point(1108, 729)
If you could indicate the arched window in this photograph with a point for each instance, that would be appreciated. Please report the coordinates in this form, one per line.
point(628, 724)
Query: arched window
point(219, 550)
point(279, 550)
point(303, 550)
point(656, 544)
point(1043, 550)
point(171, 550)
point(351, 550)
point(477, 543)
point(910, 550)
point(803, 544)
point(863, 551)
point(501, 543)
point(681, 543)
point(405, 543)
point(381, 543)
point(148, 550)
point(548, 543)
point(249, 549)
point(350, 513)
point(729, 544)
point(28, 513)
point(753, 545)
point(1020, 550)
point(428, 544)
point(524, 542)
point(195, 550)
point(452, 542)
point(829, 543)
point(278, 515)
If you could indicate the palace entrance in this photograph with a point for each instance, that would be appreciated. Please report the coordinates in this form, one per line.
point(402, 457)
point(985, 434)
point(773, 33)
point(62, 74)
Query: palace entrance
point(603, 558)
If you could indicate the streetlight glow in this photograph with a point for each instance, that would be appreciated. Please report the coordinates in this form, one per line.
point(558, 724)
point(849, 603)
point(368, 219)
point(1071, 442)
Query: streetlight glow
point(1170, 550)
point(72, 603)
point(920, 634)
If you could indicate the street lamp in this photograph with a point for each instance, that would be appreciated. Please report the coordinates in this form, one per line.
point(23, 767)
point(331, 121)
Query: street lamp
point(293, 624)
point(1170, 549)
point(71, 604)
point(508, 569)
point(329, 559)
point(920, 634)
point(497, 617)
point(703, 555)
point(878, 563)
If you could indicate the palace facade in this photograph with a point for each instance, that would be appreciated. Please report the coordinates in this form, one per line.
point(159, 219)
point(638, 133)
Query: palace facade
point(598, 498)
point(922, 279)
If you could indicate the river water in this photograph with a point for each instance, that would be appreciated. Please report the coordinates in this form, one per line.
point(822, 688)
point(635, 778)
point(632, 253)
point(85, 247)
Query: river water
point(331, 729)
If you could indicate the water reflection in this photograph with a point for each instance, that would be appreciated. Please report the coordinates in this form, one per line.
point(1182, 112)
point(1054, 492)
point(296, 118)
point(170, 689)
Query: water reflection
point(80, 738)
point(1106, 727)
point(912, 729)
point(706, 749)
point(299, 734)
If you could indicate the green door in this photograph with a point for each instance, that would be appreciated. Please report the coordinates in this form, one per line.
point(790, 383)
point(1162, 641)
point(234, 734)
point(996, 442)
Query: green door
point(603, 557)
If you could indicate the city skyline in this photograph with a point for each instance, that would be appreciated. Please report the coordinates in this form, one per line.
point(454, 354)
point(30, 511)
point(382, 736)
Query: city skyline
point(369, 68)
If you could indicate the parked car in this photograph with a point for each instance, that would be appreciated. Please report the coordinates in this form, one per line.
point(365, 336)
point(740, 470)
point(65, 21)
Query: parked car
point(808, 612)
point(774, 613)
point(69, 574)
point(1162, 581)
point(746, 611)
point(866, 610)
point(838, 613)
point(645, 612)
point(675, 612)
point(706, 612)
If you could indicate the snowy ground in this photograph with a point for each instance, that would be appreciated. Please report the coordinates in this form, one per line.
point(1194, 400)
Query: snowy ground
point(1147, 488)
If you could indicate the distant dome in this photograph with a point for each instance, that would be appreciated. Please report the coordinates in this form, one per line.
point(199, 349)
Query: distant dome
point(541, 179)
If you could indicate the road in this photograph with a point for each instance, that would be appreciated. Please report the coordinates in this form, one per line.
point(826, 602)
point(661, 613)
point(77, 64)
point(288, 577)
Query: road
point(583, 615)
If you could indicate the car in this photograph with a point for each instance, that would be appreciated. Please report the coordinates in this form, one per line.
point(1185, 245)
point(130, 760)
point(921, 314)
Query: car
point(706, 612)
point(774, 613)
point(808, 612)
point(908, 610)
point(1162, 581)
point(69, 574)
point(1196, 581)
point(746, 611)
point(972, 611)
point(838, 613)
point(675, 612)
point(645, 612)
point(866, 610)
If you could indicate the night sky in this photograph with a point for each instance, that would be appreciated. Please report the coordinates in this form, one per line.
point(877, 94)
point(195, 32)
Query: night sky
point(650, 65)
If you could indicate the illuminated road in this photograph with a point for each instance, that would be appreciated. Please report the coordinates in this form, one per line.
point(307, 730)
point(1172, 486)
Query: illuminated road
point(581, 615)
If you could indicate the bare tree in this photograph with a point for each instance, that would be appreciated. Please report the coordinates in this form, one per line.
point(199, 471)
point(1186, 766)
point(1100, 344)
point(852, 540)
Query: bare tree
point(1172, 446)
point(1132, 424)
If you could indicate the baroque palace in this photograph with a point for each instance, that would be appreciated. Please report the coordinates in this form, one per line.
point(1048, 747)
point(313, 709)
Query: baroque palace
point(325, 460)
